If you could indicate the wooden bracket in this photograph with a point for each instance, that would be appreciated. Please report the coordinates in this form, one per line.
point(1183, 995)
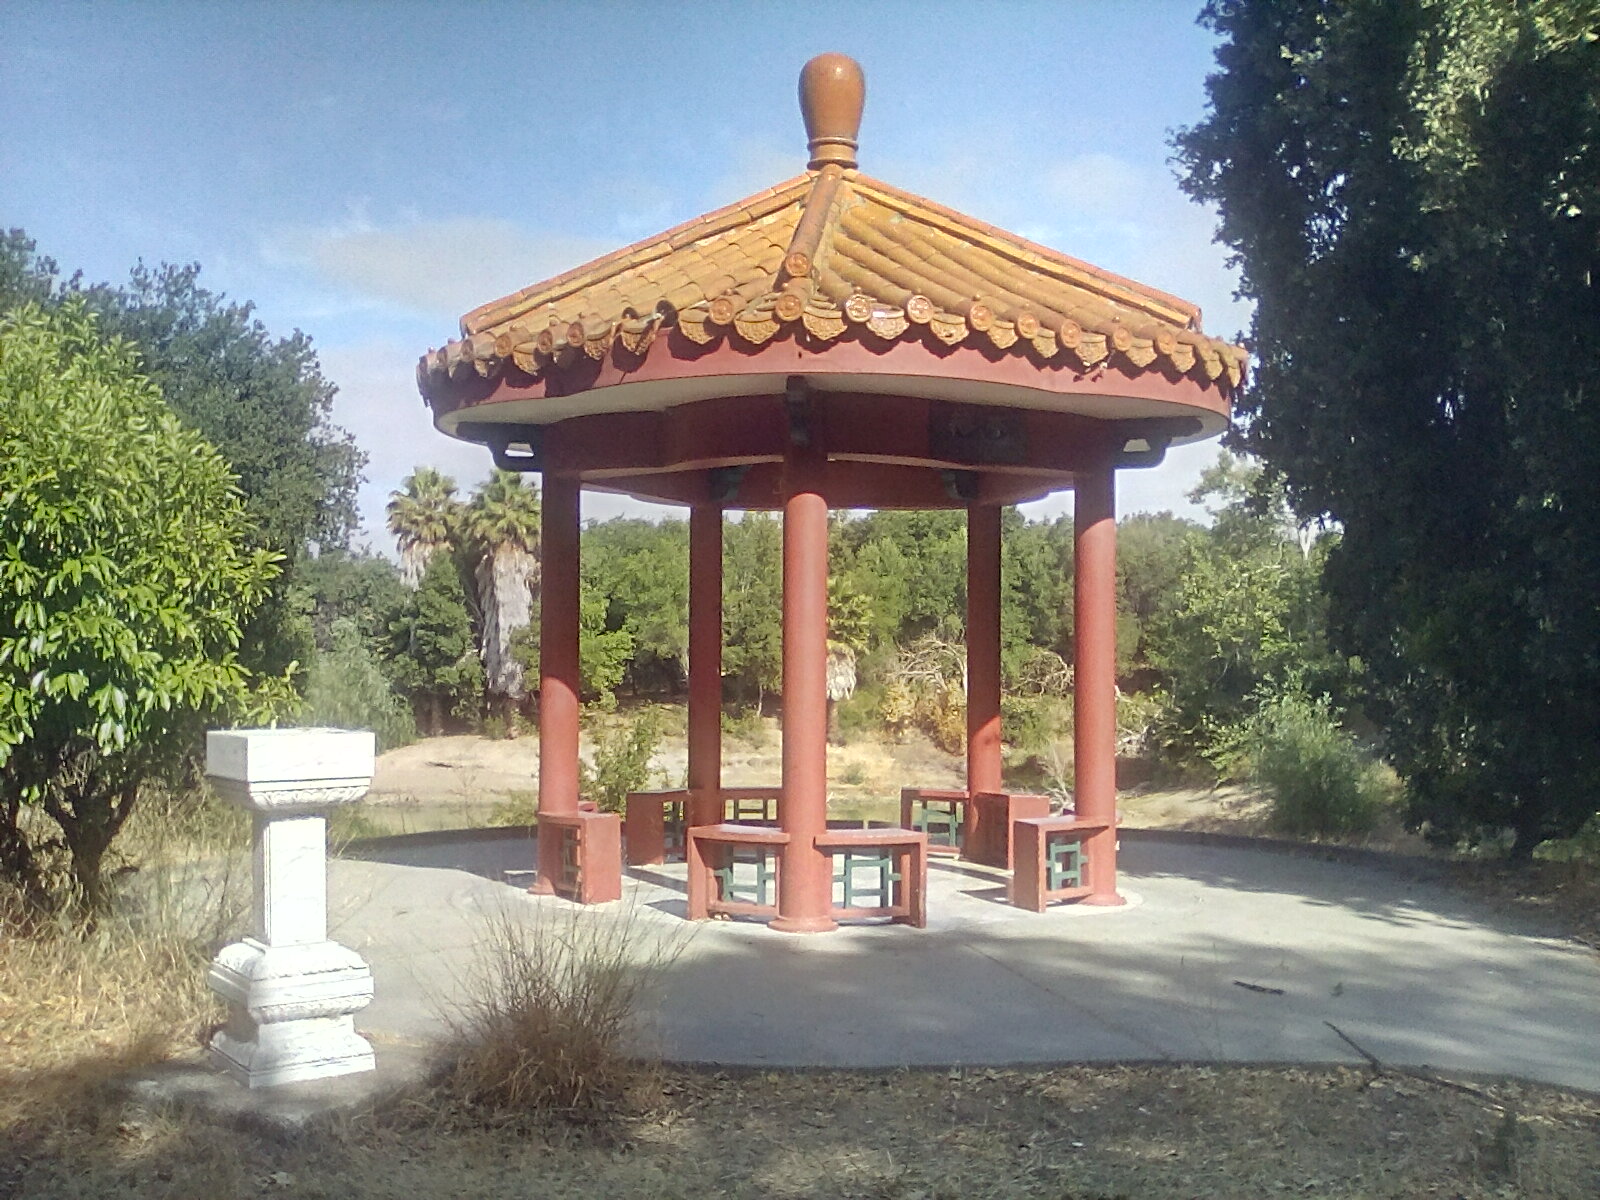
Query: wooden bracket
point(797, 402)
point(502, 441)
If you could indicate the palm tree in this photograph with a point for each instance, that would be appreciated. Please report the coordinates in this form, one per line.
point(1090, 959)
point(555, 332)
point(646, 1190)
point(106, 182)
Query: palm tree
point(502, 532)
point(422, 518)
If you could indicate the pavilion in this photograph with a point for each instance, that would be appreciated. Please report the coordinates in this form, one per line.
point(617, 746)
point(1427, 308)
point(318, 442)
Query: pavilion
point(833, 342)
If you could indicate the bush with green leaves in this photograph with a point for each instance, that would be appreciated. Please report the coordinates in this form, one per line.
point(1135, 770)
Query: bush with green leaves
point(346, 688)
point(431, 649)
point(1321, 781)
point(125, 583)
point(622, 754)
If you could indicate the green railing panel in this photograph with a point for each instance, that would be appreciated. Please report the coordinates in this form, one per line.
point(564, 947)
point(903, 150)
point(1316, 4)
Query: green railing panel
point(1065, 860)
point(880, 891)
point(939, 819)
point(752, 886)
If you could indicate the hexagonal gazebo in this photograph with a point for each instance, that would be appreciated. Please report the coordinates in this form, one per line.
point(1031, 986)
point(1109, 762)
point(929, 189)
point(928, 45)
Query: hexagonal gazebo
point(834, 342)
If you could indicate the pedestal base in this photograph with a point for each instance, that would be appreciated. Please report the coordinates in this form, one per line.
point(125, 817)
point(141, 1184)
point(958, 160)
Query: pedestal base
point(290, 1012)
point(803, 924)
point(290, 1053)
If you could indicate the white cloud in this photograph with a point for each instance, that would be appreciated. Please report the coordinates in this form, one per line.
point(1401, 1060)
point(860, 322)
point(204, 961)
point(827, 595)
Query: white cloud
point(378, 402)
point(1102, 187)
point(1148, 230)
point(440, 268)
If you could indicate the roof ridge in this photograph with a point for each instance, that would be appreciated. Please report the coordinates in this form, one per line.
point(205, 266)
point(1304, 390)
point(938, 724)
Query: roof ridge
point(795, 280)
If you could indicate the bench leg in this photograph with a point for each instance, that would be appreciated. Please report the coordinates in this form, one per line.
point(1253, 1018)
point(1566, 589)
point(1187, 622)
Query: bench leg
point(699, 879)
point(918, 882)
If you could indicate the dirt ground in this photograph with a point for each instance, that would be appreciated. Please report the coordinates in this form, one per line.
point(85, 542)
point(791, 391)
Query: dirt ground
point(1071, 1133)
point(461, 777)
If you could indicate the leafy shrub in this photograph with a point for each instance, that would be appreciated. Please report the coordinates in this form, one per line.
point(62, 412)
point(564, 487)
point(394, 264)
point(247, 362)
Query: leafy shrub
point(859, 715)
point(347, 689)
point(622, 757)
point(926, 690)
point(516, 808)
point(743, 724)
point(1320, 780)
point(1032, 723)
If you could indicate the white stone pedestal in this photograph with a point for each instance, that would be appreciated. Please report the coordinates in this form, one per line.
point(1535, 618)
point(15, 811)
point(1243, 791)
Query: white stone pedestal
point(291, 992)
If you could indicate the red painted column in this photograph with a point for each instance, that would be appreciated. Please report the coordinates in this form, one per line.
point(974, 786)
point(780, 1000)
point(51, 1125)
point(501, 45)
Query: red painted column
point(1094, 673)
point(805, 880)
point(983, 649)
point(558, 663)
point(705, 663)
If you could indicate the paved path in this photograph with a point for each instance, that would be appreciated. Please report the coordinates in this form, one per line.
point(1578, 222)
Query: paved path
point(1415, 972)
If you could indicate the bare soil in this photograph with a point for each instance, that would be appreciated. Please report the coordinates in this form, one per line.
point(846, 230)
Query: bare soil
point(460, 779)
point(1073, 1133)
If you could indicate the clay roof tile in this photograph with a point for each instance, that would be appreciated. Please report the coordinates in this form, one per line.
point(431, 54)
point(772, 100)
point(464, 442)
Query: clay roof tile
point(844, 254)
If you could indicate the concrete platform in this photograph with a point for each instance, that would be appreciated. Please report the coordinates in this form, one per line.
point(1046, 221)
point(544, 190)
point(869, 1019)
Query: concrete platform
point(1417, 973)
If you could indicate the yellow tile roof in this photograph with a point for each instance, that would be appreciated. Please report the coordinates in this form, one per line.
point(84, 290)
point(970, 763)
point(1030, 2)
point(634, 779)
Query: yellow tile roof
point(835, 254)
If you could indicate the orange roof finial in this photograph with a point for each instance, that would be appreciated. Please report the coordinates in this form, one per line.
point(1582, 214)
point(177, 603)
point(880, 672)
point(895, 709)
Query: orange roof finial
point(832, 91)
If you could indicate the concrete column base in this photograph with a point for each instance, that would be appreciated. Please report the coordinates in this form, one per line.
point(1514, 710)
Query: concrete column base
point(290, 1012)
point(803, 924)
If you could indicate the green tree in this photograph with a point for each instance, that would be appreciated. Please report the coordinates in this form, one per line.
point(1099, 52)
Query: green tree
point(911, 566)
point(25, 275)
point(849, 630)
point(1248, 619)
point(640, 571)
point(432, 654)
point(1412, 192)
point(362, 588)
point(262, 401)
point(1153, 551)
point(126, 580)
point(347, 688)
point(1035, 589)
point(752, 605)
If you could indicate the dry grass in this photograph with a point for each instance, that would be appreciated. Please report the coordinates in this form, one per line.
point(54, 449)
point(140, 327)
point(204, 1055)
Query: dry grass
point(538, 1041)
point(1068, 1134)
point(548, 1004)
point(1562, 895)
point(82, 1003)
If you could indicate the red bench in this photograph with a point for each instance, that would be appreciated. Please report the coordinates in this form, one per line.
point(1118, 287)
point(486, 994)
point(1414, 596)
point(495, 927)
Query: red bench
point(941, 813)
point(991, 818)
point(899, 856)
point(714, 853)
point(654, 825)
point(655, 821)
point(591, 855)
point(1051, 861)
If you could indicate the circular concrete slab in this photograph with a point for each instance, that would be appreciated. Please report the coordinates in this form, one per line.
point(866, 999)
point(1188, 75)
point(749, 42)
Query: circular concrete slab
point(1223, 954)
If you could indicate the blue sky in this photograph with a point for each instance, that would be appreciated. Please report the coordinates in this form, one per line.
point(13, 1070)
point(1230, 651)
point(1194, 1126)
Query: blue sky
point(367, 172)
